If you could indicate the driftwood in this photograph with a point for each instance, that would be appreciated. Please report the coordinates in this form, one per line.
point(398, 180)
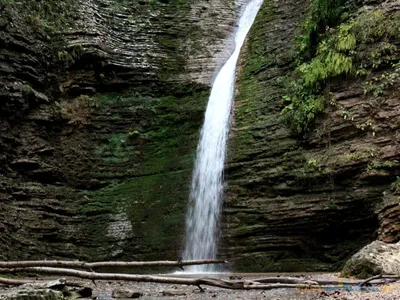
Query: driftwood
point(245, 284)
point(266, 283)
point(39, 283)
point(322, 281)
point(106, 264)
point(391, 278)
point(10, 281)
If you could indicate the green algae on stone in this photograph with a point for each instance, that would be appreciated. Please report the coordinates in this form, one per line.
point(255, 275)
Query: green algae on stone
point(145, 166)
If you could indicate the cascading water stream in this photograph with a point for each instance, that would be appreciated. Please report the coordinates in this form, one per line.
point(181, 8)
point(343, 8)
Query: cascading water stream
point(207, 183)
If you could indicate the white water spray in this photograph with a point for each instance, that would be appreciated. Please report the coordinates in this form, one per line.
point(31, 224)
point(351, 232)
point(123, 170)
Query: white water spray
point(207, 183)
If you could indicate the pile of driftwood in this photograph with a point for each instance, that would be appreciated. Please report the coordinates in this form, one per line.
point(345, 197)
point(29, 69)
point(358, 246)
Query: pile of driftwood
point(85, 270)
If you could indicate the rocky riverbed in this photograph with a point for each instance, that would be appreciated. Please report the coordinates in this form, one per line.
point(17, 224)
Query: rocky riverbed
point(104, 290)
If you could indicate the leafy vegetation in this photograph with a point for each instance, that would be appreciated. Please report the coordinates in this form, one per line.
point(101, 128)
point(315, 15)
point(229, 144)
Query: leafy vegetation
point(308, 94)
point(328, 50)
point(321, 14)
point(68, 56)
point(49, 15)
point(395, 186)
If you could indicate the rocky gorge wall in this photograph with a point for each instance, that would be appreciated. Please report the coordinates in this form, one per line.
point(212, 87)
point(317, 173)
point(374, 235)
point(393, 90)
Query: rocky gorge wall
point(102, 102)
point(298, 202)
point(101, 105)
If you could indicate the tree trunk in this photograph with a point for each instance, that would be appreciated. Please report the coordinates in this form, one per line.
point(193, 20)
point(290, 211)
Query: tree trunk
point(107, 264)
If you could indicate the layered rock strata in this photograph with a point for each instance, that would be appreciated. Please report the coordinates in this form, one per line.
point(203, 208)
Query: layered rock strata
point(99, 123)
point(306, 203)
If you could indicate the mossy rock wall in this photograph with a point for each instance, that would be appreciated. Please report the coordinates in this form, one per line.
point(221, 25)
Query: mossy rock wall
point(101, 110)
point(306, 203)
point(145, 151)
point(100, 115)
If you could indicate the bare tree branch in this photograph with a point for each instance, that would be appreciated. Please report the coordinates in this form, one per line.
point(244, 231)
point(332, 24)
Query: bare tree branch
point(320, 281)
point(391, 277)
point(248, 285)
point(108, 264)
point(266, 283)
point(9, 281)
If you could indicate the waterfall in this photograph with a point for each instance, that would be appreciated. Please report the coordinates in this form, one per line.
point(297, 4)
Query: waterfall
point(207, 183)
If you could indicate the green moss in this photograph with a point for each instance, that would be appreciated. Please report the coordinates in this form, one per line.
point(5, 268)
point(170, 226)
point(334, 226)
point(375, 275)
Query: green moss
point(48, 15)
point(352, 48)
point(253, 93)
point(173, 124)
point(154, 206)
point(116, 150)
point(395, 186)
point(145, 166)
point(70, 55)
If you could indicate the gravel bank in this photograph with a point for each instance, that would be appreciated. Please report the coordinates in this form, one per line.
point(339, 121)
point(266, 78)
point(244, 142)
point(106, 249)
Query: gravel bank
point(104, 290)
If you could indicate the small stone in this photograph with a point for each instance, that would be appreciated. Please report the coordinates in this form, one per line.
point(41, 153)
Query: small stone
point(174, 293)
point(31, 293)
point(40, 97)
point(85, 292)
point(126, 293)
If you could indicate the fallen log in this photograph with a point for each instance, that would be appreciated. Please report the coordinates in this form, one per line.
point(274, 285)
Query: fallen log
point(288, 280)
point(106, 264)
point(10, 281)
point(320, 281)
point(247, 285)
point(37, 283)
point(266, 283)
point(392, 278)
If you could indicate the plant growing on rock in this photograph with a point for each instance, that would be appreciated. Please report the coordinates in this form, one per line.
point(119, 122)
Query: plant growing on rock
point(78, 111)
point(6, 2)
point(70, 56)
point(395, 187)
point(308, 92)
point(354, 48)
point(48, 15)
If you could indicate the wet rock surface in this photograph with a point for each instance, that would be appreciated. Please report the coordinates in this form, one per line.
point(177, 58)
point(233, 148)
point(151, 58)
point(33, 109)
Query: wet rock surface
point(99, 124)
point(50, 290)
point(306, 203)
point(374, 259)
point(126, 293)
point(31, 294)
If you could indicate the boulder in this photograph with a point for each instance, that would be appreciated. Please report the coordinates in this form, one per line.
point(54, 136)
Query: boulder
point(126, 293)
point(31, 294)
point(374, 259)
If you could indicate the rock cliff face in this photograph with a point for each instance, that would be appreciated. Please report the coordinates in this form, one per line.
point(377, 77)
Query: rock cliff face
point(99, 123)
point(307, 203)
point(101, 106)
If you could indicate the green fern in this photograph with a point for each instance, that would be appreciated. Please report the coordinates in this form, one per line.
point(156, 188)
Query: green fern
point(352, 48)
